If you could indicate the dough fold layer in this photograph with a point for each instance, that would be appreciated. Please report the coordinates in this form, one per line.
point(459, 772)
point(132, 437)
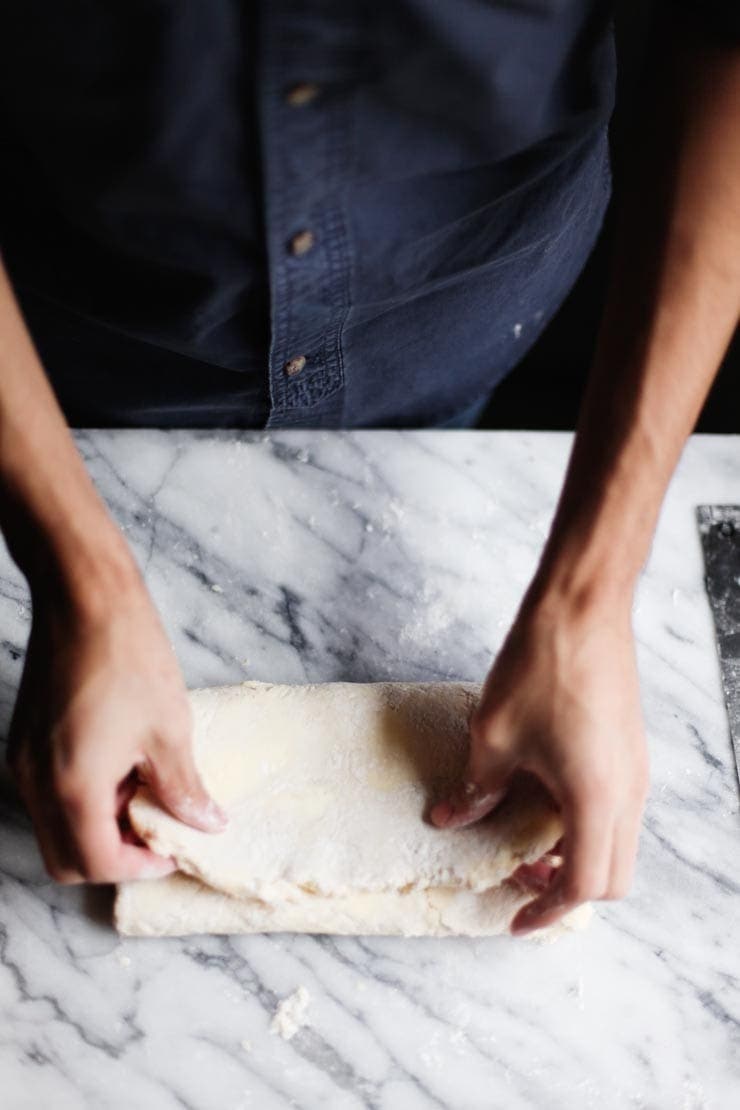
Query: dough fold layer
point(327, 789)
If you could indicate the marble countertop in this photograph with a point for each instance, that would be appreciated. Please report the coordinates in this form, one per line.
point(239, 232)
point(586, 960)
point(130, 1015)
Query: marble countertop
point(301, 556)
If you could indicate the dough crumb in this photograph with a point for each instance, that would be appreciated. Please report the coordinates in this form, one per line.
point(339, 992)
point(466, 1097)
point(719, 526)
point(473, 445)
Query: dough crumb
point(246, 1045)
point(123, 960)
point(217, 589)
point(290, 1015)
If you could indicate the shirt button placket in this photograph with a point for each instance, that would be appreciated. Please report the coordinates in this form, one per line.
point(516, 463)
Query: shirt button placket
point(299, 244)
point(305, 153)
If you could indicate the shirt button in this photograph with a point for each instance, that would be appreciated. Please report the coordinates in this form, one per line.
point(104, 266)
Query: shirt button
point(302, 93)
point(302, 243)
point(294, 365)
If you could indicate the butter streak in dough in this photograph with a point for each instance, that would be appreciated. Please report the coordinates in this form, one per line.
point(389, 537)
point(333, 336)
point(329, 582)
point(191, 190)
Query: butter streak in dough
point(327, 788)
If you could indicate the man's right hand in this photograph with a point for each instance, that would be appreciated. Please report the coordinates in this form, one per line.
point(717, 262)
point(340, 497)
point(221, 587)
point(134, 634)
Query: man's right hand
point(101, 707)
point(102, 704)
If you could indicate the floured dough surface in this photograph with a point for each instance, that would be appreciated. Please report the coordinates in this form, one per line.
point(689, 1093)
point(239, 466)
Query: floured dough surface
point(327, 789)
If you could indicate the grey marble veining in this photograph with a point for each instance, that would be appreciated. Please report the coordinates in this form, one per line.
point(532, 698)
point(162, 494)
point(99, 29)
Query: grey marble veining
point(304, 556)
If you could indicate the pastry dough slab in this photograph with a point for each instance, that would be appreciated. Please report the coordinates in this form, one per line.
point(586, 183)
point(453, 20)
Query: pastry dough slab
point(327, 789)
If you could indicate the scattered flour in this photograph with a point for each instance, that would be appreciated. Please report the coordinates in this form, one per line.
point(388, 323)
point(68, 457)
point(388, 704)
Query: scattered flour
point(290, 1015)
point(694, 1097)
point(430, 616)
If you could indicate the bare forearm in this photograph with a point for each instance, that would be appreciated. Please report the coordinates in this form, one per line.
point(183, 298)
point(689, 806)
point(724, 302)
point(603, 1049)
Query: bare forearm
point(52, 517)
point(673, 306)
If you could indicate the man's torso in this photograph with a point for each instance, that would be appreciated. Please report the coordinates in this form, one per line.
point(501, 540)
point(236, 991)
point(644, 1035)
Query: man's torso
point(323, 213)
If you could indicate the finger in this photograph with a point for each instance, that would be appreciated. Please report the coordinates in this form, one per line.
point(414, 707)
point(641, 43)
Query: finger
point(469, 803)
point(171, 773)
point(623, 857)
point(124, 793)
point(537, 876)
point(103, 855)
point(485, 783)
point(95, 847)
point(138, 862)
point(51, 837)
point(478, 793)
point(585, 869)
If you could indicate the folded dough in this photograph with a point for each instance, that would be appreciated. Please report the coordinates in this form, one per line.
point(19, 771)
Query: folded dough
point(327, 788)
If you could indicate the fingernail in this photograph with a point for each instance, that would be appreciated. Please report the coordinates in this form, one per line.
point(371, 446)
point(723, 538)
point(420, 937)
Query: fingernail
point(442, 812)
point(205, 815)
point(215, 817)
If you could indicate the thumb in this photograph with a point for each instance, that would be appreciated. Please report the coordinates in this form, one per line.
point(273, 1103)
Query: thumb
point(174, 779)
point(473, 798)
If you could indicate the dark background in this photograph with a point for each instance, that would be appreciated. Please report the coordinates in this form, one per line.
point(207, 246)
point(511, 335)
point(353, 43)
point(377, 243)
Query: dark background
point(545, 389)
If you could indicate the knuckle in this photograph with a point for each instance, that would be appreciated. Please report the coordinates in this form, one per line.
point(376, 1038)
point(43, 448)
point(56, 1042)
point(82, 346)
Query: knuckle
point(578, 889)
point(618, 888)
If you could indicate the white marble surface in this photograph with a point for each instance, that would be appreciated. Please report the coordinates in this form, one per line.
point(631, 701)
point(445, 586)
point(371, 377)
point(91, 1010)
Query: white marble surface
point(317, 556)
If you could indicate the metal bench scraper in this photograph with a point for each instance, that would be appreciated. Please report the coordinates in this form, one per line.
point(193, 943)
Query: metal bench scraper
point(719, 528)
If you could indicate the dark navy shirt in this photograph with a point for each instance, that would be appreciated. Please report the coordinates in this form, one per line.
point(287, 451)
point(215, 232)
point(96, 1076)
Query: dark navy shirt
point(324, 213)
